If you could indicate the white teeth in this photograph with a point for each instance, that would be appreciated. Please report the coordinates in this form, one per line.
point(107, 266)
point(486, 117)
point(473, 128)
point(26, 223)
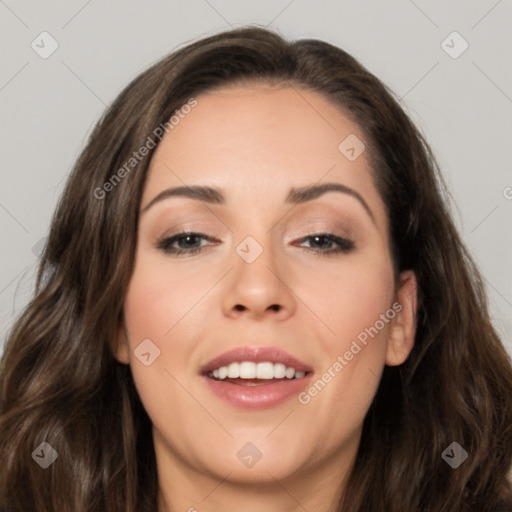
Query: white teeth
point(279, 370)
point(289, 373)
point(265, 371)
point(234, 371)
point(249, 370)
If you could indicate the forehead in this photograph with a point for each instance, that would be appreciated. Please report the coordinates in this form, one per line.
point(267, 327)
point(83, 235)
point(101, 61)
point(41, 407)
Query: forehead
point(260, 121)
point(260, 139)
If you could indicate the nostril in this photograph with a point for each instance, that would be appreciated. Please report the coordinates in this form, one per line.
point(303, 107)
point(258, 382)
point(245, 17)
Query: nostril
point(273, 307)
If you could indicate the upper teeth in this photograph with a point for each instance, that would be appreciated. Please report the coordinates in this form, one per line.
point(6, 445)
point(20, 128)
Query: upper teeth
point(250, 370)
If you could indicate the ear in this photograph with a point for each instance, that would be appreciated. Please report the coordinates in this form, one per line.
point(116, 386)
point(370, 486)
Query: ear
point(403, 329)
point(120, 346)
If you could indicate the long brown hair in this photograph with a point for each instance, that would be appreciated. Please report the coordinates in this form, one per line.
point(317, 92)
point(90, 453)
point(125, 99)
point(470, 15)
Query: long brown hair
point(60, 383)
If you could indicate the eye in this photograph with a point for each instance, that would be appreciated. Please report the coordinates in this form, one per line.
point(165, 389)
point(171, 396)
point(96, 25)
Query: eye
point(184, 243)
point(189, 243)
point(328, 243)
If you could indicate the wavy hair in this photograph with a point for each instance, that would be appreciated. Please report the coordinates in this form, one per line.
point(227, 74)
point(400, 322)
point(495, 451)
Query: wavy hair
point(59, 380)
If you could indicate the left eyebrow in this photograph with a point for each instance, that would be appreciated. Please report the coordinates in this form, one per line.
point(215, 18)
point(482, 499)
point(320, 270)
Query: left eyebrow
point(308, 193)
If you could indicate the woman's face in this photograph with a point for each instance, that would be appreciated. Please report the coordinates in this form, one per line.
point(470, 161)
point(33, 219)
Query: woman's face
point(287, 279)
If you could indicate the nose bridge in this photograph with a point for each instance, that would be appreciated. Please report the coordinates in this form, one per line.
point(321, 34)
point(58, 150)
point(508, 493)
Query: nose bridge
point(257, 284)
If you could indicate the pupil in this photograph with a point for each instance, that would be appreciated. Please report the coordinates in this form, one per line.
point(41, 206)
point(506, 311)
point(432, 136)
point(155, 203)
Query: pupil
point(318, 240)
point(189, 239)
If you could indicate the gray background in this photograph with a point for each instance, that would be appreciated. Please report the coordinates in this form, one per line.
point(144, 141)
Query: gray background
point(463, 105)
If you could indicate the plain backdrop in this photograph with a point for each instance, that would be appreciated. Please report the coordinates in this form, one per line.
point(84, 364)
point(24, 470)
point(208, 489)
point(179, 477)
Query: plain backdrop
point(461, 98)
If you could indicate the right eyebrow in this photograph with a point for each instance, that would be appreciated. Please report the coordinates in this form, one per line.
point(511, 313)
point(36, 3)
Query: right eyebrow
point(200, 193)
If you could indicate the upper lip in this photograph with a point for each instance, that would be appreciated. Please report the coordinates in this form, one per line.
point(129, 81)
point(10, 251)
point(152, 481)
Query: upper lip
point(255, 355)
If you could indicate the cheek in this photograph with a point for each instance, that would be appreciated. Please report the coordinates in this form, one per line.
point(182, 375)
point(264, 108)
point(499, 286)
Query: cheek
point(158, 298)
point(155, 309)
point(354, 304)
point(349, 298)
point(152, 311)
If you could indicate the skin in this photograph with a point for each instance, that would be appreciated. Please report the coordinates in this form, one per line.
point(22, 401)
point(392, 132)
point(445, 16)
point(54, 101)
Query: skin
point(254, 143)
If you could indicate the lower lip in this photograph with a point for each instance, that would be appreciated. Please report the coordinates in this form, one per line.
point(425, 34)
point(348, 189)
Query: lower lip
point(263, 396)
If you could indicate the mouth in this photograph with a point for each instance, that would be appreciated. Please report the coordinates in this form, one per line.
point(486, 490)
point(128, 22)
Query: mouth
point(248, 373)
point(256, 378)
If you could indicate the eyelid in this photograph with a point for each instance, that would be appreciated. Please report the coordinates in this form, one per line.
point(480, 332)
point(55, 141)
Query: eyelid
point(325, 228)
point(165, 243)
point(343, 245)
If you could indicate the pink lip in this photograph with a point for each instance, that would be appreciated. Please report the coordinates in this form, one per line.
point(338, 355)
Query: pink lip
point(265, 396)
point(269, 393)
point(255, 355)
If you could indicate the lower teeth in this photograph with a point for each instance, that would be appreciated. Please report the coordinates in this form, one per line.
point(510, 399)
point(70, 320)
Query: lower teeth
point(210, 375)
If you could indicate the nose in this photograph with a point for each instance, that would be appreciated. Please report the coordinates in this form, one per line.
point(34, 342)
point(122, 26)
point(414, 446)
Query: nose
point(259, 289)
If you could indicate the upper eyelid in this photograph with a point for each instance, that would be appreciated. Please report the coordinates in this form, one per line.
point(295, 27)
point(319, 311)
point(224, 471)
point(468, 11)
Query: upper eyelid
point(308, 232)
point(317, 224)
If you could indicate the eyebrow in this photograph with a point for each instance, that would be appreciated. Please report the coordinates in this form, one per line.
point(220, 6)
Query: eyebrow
point(295, 196)
point(308, 193)
point(197, 192)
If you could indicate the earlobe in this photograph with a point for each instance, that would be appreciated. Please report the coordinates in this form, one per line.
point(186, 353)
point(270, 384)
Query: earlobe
point(121, 348)
point(401, 336)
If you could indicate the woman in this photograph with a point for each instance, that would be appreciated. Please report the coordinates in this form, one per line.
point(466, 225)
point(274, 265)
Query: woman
point(253, 298)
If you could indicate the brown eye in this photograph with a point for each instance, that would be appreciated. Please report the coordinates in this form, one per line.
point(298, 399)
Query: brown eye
point(184, 243)
point(328, 243)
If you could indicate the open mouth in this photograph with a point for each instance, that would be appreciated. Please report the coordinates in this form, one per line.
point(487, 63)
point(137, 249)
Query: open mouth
point(256, 386)
point(249, 377)
point(248, 373)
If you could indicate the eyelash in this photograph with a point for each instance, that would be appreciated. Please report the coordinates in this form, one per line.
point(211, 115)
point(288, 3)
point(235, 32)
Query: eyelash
point(165, 244)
